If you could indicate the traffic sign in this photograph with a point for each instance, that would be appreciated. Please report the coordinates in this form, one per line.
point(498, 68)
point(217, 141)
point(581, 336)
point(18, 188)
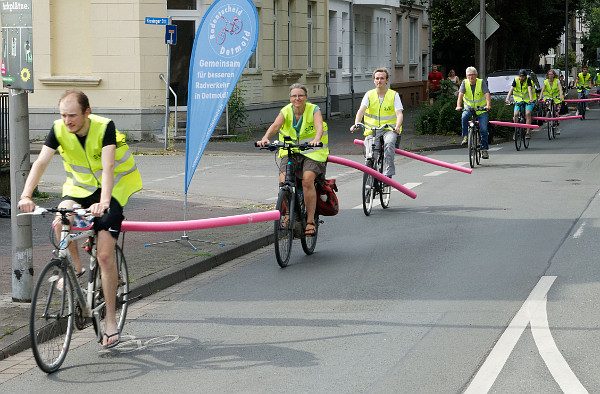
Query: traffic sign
point(156, 21)
point(17, 48)
point(490, 25)
point(171, 35)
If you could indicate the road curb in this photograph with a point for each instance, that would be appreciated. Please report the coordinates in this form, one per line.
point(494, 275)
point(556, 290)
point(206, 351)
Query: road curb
point(156, 282)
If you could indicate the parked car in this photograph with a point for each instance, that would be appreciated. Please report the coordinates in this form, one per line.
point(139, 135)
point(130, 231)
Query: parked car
point(499, 83)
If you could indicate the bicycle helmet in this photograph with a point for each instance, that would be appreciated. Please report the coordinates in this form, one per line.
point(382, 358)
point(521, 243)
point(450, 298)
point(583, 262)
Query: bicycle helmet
point(523, 72)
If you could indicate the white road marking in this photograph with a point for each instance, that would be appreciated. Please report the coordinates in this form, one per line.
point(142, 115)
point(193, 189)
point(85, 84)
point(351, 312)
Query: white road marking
point(579, 231)
point(461, 163)
point(412, 185)
point(495, 148)
point(436, 173)
point(533, 312)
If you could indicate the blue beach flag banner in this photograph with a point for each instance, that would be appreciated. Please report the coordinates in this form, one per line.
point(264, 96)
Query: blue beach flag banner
point(224, 42)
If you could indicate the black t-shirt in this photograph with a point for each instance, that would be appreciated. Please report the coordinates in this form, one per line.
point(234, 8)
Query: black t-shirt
point(110, 137)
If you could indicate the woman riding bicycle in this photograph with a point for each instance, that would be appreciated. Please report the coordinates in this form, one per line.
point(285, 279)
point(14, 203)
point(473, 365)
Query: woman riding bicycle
point(303, 122)
point(380, 106)
point(552, 89)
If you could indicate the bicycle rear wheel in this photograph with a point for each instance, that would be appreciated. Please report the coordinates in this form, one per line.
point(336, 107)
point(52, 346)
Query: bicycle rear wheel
point(518, 138)
point(122, 296)
point(368, 190)
point(284, 233)
point(51, 316)
point(309, 243)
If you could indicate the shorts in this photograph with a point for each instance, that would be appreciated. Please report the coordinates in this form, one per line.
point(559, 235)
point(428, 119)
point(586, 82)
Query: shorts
point(528, 107)
point(434, 93)
point(110, 221)
point(302, 163)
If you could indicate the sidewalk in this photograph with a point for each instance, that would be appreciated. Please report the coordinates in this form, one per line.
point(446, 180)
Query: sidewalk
point(157, 267)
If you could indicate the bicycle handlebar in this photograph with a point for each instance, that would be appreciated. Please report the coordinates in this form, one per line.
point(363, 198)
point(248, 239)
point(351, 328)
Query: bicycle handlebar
point(40, 211)
point(288, 145)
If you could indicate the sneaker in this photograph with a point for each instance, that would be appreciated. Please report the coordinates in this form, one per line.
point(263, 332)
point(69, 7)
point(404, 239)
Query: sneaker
point(557, 132)
point(464, 141)
point(484, 154)
point(527, 135)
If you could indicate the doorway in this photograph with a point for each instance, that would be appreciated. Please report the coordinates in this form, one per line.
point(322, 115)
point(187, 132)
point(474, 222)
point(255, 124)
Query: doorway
point(180, 60)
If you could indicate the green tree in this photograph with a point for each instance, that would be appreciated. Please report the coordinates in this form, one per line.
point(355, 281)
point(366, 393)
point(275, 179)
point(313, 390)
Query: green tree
point(527, 30)
point(590, 15)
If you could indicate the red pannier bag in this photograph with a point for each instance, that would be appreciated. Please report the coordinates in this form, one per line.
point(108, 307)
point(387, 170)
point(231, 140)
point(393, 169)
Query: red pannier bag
point(327, 201)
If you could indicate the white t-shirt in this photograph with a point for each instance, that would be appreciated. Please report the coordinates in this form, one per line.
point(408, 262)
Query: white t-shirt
point(397, 102)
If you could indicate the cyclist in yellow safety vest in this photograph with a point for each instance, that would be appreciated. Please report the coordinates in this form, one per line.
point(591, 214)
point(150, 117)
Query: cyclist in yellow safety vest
point(522, 91)
point(378, 107)
point(101, 176)
point(303, 122)
point(552, 89)
point(584, 83)
point(474, 92)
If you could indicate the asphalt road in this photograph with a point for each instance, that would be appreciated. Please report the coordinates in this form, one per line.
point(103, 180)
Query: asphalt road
point(494, 272)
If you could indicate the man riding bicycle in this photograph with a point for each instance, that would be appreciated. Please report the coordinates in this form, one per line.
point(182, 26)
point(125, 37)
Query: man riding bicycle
point(584, 83)
point(303, 122)
point(101, 176)
point(378, 107)
point(552, 90)
point(522, 91)
point(472, 93)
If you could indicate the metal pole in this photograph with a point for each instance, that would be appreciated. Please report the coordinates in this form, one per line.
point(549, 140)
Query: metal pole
point(482, 37)
point(22, 249)
point(567, 43)
point(167, 111)
point(352, 55)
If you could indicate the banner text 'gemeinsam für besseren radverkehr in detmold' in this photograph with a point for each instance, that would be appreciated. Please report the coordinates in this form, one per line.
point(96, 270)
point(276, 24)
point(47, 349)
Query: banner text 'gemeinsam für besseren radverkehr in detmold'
point(208, 74)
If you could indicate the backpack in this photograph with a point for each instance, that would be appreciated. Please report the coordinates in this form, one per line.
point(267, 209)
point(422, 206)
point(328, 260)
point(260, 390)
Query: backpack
point(327, 201)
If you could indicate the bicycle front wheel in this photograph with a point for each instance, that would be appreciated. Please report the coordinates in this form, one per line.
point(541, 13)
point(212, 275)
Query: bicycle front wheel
point(284, 233)
point(309, 243)
point(368, 192)
point(51, 316)
point(518, 138)
point(472, 146)
point(385, 190)
point(477, 145)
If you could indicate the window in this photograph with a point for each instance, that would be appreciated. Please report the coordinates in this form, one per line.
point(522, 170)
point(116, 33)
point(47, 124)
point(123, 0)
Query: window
point(381, 36)
point(413, 41)
point(309, 23)
point(252, 65)
point(399, 43)
point(345, 58)
point(274, 34)
point(289, 35)
point(182, 4)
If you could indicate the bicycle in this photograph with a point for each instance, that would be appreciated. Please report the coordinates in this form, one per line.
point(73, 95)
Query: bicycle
point(235, 27)
point(372, 187)
point(474, 137)
point(520, 135)
point(582, 105)
point(54, 311)
point(551, 113)
point(290, 201)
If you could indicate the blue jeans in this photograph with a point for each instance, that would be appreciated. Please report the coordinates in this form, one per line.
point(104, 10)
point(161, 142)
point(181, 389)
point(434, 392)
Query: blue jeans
point(583, 94)
point(483, 126)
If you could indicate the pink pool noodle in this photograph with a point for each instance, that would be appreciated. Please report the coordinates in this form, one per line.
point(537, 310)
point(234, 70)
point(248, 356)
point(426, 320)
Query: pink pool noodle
point(511, 124)
point(201, 224)
point(580, 100)
point(372, 172)
point(557, 118)
point(425, 159)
